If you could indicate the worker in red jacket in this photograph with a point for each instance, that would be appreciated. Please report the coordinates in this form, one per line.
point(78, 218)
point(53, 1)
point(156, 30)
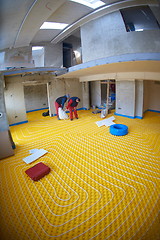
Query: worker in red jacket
point(71, 106)
point(60, 103)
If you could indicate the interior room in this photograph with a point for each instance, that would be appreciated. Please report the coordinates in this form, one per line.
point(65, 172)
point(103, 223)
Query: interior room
point(80, 119)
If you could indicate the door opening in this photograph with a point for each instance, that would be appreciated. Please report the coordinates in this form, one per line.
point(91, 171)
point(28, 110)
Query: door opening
point(108, 94)
point(67, 55)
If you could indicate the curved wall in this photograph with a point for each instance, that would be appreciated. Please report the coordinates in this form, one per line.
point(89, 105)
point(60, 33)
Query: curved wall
point(107, 36)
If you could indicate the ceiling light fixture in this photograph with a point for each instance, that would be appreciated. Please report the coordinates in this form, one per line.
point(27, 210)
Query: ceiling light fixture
point(90, 3)
point(139, 30)
point(37, 48)
point(53, 25)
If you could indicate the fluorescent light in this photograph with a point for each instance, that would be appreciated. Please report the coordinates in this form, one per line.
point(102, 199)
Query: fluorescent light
point(90, 3)
point(53, 25)
point(37, 48)
point(139, 30)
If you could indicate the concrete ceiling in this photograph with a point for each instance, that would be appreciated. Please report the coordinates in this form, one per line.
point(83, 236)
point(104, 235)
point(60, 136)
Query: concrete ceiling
point(21, 20)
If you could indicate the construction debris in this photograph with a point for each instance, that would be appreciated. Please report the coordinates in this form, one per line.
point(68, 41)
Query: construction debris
point(35, 154)
point(107, 122)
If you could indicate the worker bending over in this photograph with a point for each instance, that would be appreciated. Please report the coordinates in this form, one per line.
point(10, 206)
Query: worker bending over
point(71, 106)
point(60, 103)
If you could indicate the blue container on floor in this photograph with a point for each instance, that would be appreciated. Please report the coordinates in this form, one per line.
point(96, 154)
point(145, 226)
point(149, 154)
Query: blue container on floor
point(118, 129)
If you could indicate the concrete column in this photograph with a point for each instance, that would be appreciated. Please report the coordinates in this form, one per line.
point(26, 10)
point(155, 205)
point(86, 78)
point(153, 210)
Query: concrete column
point(125, 98)
point(139, 98)
point(96, 93)
point(85, 95)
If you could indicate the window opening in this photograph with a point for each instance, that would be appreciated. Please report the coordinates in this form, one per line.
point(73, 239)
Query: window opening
point(139, 19)
point(38, 56)
point(67, 55)
point(108, 97)
point(53, 25)
point(90, 3)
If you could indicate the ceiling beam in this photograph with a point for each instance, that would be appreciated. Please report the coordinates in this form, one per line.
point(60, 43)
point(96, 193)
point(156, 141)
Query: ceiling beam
point(122, 76)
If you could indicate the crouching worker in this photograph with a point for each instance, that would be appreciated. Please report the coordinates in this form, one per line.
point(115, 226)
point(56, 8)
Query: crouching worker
point(60, 103)
point(71, 106)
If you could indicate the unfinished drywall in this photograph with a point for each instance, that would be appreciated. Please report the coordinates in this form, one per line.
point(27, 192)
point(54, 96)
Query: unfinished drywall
point(152, 95)
point(35, 97)
point(107, 36)
point(53, 55)
point(95, 93)
point(125, 98)
point(14, 100)
point(139, 92)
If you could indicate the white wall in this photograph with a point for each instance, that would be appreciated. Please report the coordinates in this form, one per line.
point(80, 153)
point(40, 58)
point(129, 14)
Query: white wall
point(14, 100)
point(96, 93)
point(18, 57)
point(152, 95)
point(135, 97)
point(107, 36)
point(35, 97)
point(125, 98)
point(85, 95)
point(139, 92)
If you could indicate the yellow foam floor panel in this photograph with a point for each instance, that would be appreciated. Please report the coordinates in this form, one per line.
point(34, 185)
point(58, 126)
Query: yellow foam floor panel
point(100, 186)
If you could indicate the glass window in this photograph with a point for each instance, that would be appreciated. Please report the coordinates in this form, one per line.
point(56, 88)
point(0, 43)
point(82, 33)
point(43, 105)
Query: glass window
point(139, 19)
